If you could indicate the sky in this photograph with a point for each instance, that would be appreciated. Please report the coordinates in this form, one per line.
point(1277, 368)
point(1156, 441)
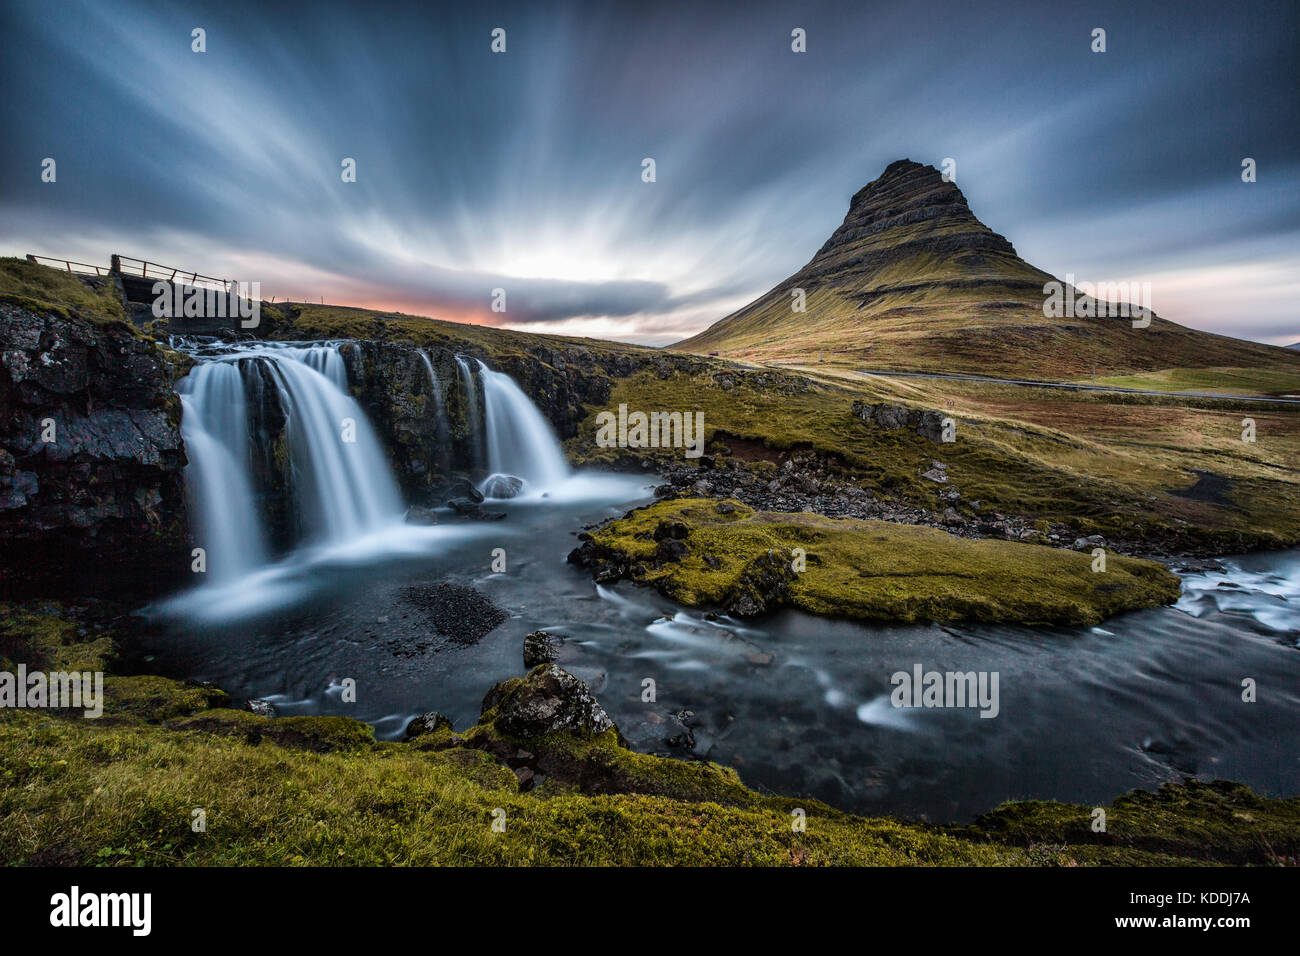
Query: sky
point(523, 170)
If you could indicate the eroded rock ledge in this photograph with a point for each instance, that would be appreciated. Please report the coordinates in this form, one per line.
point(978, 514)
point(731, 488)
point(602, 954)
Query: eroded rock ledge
point(99, 506)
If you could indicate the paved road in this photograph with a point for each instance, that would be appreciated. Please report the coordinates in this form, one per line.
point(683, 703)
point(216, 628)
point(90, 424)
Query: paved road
point(885, 373)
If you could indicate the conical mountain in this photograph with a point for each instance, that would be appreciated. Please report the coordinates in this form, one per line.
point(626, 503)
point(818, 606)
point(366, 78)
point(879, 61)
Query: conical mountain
point(913, 280)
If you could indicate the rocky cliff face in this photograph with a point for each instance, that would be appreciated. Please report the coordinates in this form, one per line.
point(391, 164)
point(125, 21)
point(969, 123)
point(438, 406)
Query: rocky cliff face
point(91, 494)
point(391, 380)
point(908, 213)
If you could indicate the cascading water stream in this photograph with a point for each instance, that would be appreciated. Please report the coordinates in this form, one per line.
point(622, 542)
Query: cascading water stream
point(341, 482)
point(470, 398)
point(443, 425)
point(346, 484)
point(519, 440)
point(214, 425)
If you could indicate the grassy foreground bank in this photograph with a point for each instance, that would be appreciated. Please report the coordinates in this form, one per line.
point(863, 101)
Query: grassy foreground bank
point(123, 790)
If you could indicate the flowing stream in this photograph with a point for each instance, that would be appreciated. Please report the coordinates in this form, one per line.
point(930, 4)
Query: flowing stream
point(799, 705)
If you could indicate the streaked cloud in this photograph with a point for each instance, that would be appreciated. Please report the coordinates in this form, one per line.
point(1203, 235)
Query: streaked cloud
point(522, 171)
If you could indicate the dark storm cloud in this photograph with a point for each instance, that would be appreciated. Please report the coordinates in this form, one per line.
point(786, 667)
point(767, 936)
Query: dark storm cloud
point(523, 171)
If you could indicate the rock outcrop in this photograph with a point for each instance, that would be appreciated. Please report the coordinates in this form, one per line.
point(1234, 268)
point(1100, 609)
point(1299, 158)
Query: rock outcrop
point(91, 493)
point(925, 422)
point(548, 700)
point(540, 647)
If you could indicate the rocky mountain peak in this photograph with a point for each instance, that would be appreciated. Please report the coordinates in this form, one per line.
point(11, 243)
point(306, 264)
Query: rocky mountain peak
point(910, 209)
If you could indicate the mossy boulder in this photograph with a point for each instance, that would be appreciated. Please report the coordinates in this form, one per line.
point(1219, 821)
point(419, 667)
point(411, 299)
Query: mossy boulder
point(548, 700)
point(51, 637)
point(1218, 820)
point(155, 699)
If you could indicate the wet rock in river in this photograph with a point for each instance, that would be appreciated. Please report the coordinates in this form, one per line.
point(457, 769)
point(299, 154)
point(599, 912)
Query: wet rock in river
point(429, 723)
point(503, 486)
point(540, 647)
point(548, 700)
point(418, 515)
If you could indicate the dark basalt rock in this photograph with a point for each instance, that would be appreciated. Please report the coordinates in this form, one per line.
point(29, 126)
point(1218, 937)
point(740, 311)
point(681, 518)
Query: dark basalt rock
point(540, 647)
point(667, 530)
point(101, 509)
point(671, 549)
point(763, 585)
point(547, 700)
point(418, 515)
point(457, 488)
point(876, 230)
point(925, 422)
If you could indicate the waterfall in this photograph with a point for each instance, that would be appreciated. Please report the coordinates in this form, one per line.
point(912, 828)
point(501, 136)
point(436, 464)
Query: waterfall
point(519, 440)
point(342, 485)
point(443, 426)
point(346, 485)
point(472, 421)
point(324, 359)
point(214, 426)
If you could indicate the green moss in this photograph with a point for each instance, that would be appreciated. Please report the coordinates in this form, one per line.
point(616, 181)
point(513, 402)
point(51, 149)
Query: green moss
point(1192, 821)
point(43, 288)
point(280, 452)
point(34, 305)
point(317, 733)
point(878, 570)
point(90, 792)
point(48, 637)
point(602, 764)
point(155, 699)
point(81, 792)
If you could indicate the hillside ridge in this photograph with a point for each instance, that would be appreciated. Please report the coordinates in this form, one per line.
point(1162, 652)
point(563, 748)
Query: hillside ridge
point(912, 279)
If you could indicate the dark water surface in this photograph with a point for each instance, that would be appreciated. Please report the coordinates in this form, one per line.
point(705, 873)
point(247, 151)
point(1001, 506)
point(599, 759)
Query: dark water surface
point(797, 704)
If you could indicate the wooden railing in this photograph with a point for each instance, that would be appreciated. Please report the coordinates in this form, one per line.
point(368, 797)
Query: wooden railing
point(85, 268)
point(141, 268)
point(125, 265)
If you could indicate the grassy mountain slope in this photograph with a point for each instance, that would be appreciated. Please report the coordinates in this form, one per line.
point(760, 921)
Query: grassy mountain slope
point(913, 280)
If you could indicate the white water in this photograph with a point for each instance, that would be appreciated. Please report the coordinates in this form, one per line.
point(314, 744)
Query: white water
point(471, 409)
point(341, 481)
point(223, 512)
point(440, 405)
point(346, 505)
point(1269, 591)
point(519, 440)
point(345, 486)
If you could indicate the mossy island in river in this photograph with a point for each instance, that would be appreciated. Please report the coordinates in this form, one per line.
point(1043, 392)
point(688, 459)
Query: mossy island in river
point(704, 552)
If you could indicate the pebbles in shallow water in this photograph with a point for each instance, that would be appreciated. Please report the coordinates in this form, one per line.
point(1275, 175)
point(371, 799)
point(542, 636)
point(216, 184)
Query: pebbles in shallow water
point(457, 613)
